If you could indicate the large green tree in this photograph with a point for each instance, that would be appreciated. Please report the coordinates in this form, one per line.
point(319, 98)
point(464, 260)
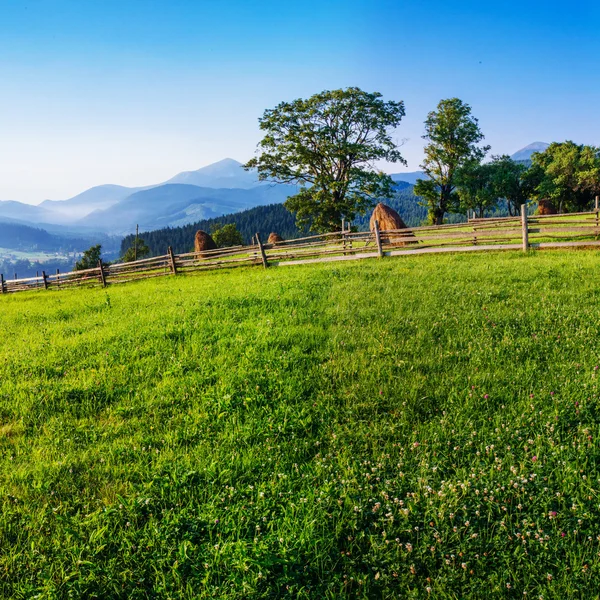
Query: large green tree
point(136, 251)
point(452, 133)
point(329, 145)
point(227, 235)
point(89, 259)
point(512, 181)
point(570, 175)
point(475, 187)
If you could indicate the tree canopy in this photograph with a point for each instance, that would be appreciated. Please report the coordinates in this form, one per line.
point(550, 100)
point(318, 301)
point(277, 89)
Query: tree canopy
point(89, 259)
point(568, 174)
point(452, 134)
point(136, 251)
point(475, 186)
point(328, 145)
point(513, 181)
point(227, 235)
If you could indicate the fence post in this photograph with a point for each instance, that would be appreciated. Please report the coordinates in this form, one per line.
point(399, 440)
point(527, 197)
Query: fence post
point(58, 278)
point(102, 278)
point(597, 210)
point(262, 252)
point(1, 283)
point(172, 261)
point(45, 280)
point(378, 240)
point(524, 227)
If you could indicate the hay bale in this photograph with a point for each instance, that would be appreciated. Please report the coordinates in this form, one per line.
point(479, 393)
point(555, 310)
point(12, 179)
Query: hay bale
point(203, 242)
point(389, 219)
point(274, 238)
point(545, 207)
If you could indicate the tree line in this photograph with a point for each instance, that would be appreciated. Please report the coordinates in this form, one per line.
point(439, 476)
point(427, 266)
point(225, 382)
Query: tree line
point(260, 219)
point(329, 145)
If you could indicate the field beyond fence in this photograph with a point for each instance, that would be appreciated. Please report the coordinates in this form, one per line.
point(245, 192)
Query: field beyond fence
point(508, 233)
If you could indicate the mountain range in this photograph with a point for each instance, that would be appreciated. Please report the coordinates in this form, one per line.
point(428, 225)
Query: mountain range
point(212, 191)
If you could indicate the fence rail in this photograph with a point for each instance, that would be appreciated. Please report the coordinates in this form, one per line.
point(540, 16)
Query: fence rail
point(506, 233)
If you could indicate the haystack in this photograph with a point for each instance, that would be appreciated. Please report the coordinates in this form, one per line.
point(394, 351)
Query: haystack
point(389, 219)
point(203, 242)
point(274, 238)
point(545, 207)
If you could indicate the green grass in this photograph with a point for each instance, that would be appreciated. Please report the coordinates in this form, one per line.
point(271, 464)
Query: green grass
point(423, 427)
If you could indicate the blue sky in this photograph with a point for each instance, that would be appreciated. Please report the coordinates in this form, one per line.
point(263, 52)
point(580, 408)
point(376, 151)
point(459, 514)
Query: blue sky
point(132, 92)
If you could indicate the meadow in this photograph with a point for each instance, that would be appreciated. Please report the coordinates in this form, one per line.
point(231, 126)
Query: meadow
point(415, 427)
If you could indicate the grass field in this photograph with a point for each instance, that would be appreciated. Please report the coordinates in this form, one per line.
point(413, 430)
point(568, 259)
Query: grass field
point(422, 427)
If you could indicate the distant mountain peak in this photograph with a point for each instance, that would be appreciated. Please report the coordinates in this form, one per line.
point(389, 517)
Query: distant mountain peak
point(526, 152)
point(226, 173)
point(224, 162)
point(225, 167)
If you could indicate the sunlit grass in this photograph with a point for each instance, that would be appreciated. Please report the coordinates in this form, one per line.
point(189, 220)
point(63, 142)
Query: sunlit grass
point(422, 427)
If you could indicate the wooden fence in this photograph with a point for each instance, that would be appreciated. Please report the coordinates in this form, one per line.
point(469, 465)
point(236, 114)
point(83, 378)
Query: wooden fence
point(509, 233)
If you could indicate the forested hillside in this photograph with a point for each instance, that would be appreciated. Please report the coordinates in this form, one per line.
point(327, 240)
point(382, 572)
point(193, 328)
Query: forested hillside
point(264, 220)
point(21, 237)
point(275, 217)
point(261, 219)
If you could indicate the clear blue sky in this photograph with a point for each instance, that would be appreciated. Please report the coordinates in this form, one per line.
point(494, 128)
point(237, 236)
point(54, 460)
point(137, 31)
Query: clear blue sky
point(133, 91)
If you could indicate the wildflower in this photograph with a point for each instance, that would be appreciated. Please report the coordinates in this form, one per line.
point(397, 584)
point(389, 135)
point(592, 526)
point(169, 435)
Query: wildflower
point(534, 458)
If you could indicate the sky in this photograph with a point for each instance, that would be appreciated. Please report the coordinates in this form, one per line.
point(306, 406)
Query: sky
point(132, 92)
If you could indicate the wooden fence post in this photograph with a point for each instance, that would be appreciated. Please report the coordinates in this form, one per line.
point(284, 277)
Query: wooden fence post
point(597, 210)
point(58, 278)
point(45, 280)
point(378, 240)
point(524, 227)
point(172, 261)
point(1, 283)
point(102, 278)
point(262, 252)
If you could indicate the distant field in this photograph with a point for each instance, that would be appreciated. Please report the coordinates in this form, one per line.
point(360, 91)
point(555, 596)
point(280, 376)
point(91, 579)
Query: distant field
point(9, 253)
point(420, 427)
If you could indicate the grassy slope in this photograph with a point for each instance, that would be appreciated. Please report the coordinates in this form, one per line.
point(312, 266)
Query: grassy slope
point(365, 430)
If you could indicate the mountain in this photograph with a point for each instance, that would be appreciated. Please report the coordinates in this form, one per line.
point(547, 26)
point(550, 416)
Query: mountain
point(96, 198)
point(175, 204)
point(410, 177)
point(524, 154)
point(21, 237)
point(28, 213)
point(226, 173)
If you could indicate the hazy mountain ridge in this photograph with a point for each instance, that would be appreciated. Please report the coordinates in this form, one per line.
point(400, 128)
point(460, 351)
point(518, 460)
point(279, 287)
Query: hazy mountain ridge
point(178, 204)
point(217, 189)
point(187, 197)
point(524, 154)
